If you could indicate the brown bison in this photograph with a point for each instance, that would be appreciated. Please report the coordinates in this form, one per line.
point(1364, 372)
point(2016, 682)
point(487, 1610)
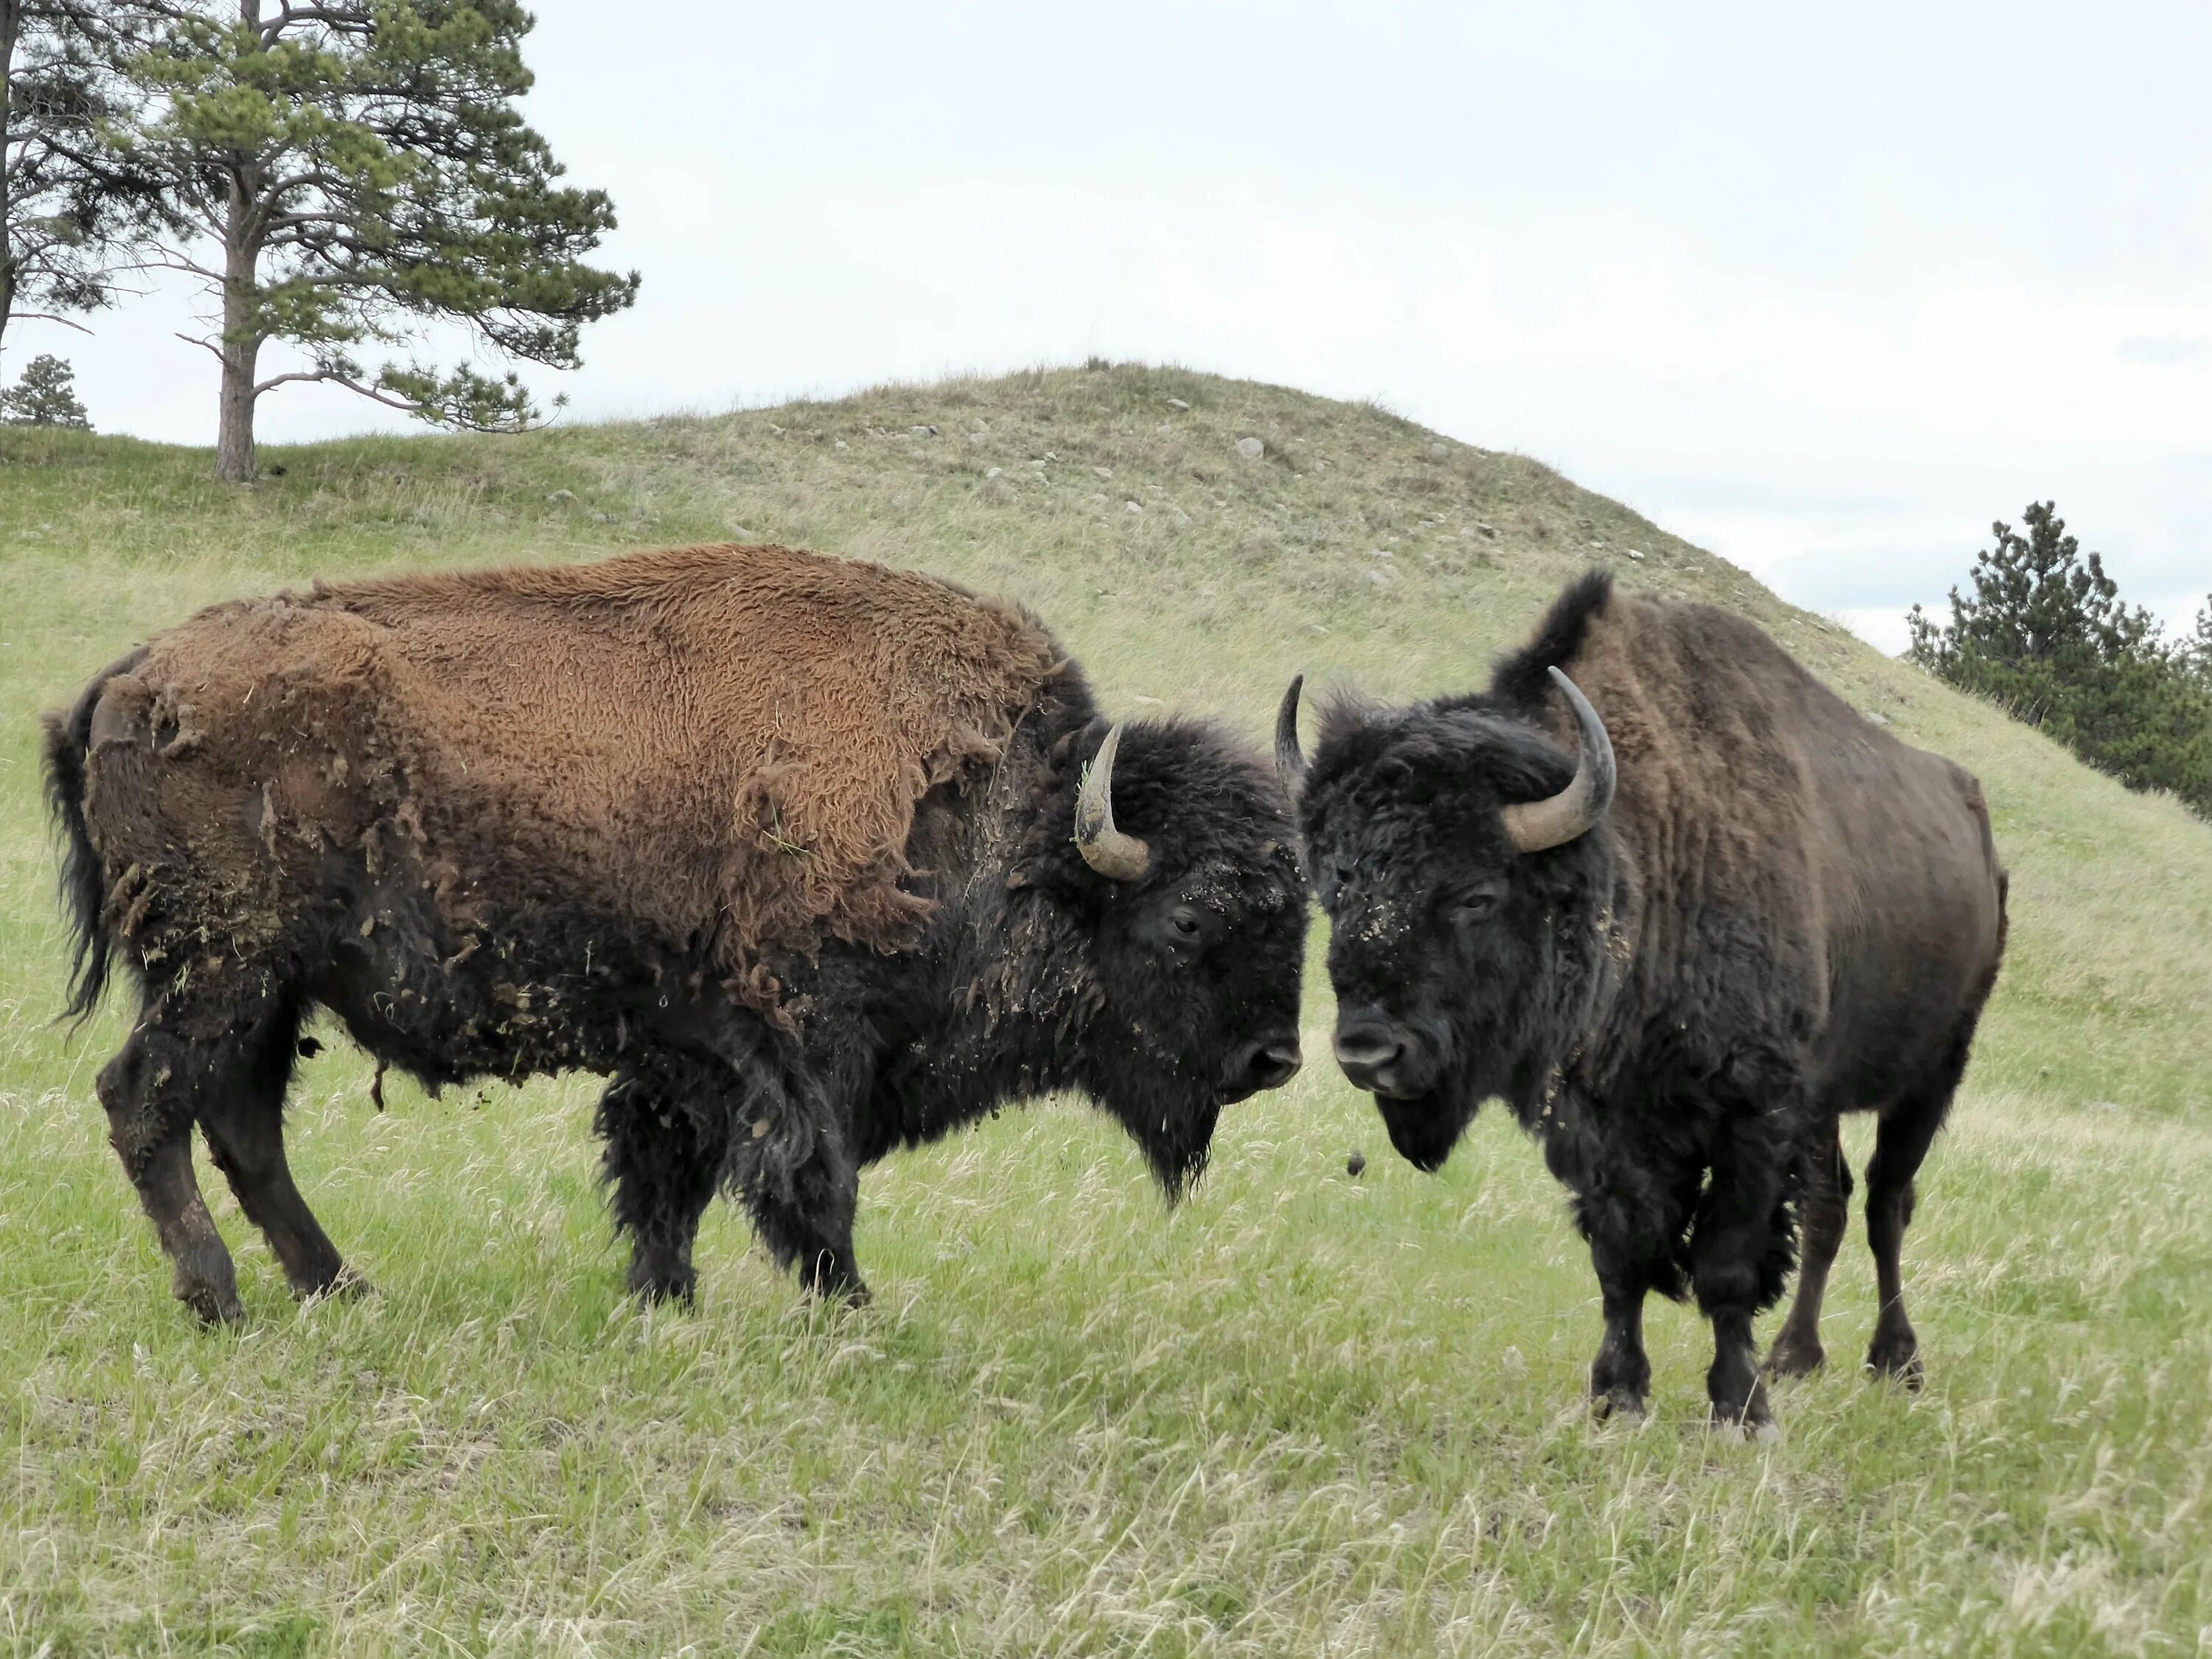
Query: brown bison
point(1727, 912)
point(812, 857)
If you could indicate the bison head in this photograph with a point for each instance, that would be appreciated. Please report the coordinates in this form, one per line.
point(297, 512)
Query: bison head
point(1465, 868)
point(1165, 901)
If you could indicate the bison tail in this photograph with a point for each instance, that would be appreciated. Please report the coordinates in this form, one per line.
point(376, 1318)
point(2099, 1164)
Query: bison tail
point(2004, 913)
point(83, 889)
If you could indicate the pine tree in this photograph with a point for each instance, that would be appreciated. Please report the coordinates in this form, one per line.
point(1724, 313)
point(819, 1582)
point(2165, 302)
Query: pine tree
point(2197, 650)
point(72, 214)
point(353, 170)
point(2046, 636)
point(45, 396)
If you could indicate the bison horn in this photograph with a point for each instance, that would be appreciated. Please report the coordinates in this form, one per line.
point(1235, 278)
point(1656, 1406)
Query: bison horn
point(1534, 825)
point(1114, 855)
point(1289, 759)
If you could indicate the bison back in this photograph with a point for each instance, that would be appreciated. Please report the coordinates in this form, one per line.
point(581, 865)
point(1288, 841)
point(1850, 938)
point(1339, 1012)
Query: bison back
point(724, 743)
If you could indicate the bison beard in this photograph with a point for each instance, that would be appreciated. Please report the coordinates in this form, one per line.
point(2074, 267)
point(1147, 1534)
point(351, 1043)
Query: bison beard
point(1679, 964)
point(787, 846)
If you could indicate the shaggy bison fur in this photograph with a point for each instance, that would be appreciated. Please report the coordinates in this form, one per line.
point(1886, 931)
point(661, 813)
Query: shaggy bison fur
point(1679, 921)
point(812, 858)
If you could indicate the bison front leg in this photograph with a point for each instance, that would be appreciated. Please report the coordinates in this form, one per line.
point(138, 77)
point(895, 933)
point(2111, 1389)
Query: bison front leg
point(1740, 1250)
point(666, 1148)
point(812, 1226)
point(1621, 1376)
point(792, 1162)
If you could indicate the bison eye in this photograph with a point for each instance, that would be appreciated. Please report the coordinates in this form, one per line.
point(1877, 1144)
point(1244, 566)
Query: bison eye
point(1476, 907)
point(1183, 925)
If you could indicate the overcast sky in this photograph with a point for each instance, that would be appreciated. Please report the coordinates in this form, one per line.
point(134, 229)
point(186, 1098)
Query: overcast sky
point(1824, 291)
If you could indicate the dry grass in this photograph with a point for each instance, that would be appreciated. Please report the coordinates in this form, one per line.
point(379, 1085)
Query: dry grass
point(1304, 1413)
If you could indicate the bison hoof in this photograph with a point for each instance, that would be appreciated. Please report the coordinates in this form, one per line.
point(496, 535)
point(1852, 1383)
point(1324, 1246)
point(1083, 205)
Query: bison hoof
point(1624, 1403)
point(1745, 1410)
point(1897, 1362)
point(213, 1306)
point(1761, 1431)
point(656, 1288)
point(345, 1285)
point(1794, 1358)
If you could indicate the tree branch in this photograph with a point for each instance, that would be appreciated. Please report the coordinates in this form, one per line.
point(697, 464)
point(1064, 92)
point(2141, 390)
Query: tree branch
point(348, 22)
point(299, 181)
point(193, 339)
point(337, 379)
point(169, 261)
point(48, 317)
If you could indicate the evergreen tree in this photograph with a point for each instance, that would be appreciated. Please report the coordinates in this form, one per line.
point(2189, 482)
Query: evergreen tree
point(2197, 652)
point(2046, 636)
point(352, 170)
point(45, 396)
point(72, 215)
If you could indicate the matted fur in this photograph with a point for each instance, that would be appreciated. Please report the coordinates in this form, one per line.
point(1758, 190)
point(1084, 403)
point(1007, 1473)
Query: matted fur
point(725, 743)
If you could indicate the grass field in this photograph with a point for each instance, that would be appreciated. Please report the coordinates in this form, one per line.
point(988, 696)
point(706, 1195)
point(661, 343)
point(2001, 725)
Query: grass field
point(1303, 1415)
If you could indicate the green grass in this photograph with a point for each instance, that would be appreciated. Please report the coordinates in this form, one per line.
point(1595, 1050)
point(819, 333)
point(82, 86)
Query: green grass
point(1304, 1413)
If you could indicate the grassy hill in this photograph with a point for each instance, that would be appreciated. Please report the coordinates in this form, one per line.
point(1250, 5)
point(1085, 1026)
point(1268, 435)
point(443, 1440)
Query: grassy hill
point(1304, 1413)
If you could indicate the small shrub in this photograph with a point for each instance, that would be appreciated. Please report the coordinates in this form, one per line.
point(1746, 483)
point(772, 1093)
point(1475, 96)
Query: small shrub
point(45, 396)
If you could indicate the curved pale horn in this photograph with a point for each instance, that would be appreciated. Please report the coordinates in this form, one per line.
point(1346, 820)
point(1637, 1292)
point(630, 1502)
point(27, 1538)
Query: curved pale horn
point(1534, 825)
point(1289, 759)
point(1114, 855)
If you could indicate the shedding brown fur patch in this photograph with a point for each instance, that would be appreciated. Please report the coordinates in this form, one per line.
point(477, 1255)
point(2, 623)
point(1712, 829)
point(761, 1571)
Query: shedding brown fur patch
point(727, 743)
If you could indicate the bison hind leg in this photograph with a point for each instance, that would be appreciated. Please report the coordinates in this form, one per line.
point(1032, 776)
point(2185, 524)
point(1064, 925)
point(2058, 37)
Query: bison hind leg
point(148, 1090)
point(1900, 1144)
point(1798, 1351)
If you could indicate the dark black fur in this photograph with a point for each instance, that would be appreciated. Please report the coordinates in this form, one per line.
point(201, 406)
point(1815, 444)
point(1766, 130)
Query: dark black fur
point(1655, 999)
point(1163, 1000)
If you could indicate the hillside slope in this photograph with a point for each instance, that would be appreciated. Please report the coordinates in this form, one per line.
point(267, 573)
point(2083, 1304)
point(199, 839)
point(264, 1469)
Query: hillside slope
point(1303, 1413)
point(1117, 503)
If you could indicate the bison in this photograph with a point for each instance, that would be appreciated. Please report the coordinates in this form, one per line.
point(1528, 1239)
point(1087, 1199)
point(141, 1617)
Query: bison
point(1681, 908)
point(812, 859)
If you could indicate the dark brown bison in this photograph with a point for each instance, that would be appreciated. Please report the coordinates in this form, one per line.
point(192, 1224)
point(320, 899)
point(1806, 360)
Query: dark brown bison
point(1680, 919)
point(813, 859)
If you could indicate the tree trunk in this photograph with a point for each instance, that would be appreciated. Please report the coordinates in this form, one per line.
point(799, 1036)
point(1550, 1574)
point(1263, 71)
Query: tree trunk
point(233, 443)
point(241, 346)
point(11, 22)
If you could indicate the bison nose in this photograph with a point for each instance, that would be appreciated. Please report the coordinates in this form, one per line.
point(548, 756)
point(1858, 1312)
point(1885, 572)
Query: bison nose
point(1274, 1064)
point(1364, 1048)
point(1267, 1064)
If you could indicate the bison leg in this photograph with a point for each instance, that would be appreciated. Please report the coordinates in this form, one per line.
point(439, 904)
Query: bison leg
point(814, 1229)
point(148, 1090)
point(1739, 1246)
point(1797, 1349)
point(666, 1149)
point(1900, 1144)
point(242, 1115)
point(1621, 1376)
